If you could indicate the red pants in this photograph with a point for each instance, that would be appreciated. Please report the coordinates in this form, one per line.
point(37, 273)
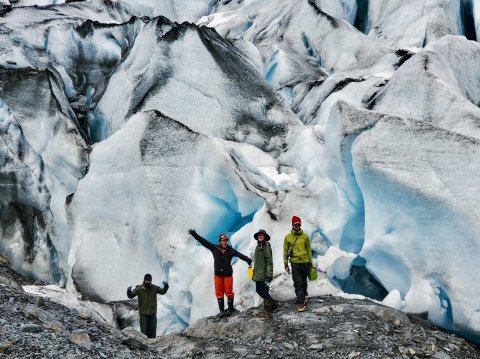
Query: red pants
point(223, 286)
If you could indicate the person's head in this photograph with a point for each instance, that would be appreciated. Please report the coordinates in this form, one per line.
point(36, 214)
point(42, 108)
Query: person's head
point(296, 223)
point(261, 236)
point(223, 240)
point(147, 280)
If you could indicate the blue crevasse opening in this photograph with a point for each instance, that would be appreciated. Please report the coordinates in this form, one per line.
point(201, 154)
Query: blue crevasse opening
point(350, 10)
point(446, 320)
point(231, 214)
point(271, 69)
point(353, 234)
point(468, 20)
point(96, 126)
point(319, 242)
point(231, 225)
point(271, 73)
point(446, 305)
point(55, 270)
point(230, 218)
point(311, 50)
point(362, 22)
point(361, 281)
point(239, 221)
point(442, 316)
point(89, 95)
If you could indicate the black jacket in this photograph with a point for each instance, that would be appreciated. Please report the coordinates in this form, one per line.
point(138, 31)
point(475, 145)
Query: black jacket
point(222, 258)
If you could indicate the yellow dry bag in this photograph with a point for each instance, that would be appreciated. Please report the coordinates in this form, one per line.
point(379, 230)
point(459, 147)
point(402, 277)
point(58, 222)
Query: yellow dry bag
point(250, 272)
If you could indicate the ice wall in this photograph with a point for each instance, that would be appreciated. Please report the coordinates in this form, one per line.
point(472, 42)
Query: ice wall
point(359, 116)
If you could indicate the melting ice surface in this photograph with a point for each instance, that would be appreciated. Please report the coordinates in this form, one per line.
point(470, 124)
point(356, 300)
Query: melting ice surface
point(361, 117)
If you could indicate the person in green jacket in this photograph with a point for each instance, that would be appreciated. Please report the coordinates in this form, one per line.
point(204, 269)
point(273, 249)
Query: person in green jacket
point(297, 250)
point(147, 304)
point(263, 272)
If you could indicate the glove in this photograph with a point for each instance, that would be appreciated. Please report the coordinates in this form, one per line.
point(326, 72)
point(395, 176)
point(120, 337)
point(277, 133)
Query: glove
point(129, 289)
point(165, 285)
point(249, 263)
point(287, 268)
point(192, 232)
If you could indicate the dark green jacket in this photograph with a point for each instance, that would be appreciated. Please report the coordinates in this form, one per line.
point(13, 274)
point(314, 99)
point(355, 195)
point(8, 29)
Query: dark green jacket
point(302, 252)
point(147, 298)
point(263, 263)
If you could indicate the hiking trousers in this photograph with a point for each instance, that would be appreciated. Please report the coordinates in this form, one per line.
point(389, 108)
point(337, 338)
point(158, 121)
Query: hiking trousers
point(148, 325)
point(224, 286)
point(299, 276)
point(263, 290)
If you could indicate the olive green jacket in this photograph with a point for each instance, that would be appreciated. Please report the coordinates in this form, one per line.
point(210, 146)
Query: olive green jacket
point(263, 263)
point(301, 251)
point(147, 298)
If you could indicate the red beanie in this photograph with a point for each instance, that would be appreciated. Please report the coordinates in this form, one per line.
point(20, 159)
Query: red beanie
point(296, 219)
point(222, 236)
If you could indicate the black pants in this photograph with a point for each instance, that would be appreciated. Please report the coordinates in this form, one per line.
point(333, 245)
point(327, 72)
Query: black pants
point(299, 275)
point(262, 290)
point(148, 325)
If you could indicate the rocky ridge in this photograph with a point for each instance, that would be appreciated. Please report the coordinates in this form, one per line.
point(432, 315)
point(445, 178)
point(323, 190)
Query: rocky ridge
point(37, 327)
point(332, 327)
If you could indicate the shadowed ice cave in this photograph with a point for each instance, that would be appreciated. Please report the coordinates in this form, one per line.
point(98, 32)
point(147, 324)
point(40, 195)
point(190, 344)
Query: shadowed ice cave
point(361, 281)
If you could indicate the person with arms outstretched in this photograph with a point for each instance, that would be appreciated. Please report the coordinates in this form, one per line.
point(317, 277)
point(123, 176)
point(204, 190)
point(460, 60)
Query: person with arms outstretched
point(222, 261)
point(147, 304)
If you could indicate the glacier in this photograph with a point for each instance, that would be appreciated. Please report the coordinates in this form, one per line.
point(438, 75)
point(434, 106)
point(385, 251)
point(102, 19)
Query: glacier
point(125, 123)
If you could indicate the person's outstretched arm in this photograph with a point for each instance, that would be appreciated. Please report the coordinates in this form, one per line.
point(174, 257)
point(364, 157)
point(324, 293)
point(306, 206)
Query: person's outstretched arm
point(243, 257)
point(163, 290)
point(201, 240)
point(132, 293)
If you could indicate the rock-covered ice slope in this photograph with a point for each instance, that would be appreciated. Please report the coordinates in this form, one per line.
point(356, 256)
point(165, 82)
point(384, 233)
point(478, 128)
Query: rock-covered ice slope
point(334, 327)
point(122, 128)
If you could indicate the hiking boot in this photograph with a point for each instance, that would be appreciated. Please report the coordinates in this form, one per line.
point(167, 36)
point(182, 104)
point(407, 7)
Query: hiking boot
point(221, 306)
point(222, 314)
point(230, 309)
point(267, 309)
point(266, 315)
point(301, 308)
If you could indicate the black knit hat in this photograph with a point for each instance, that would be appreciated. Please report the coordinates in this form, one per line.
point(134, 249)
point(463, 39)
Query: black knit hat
point(262, 231)
point(147, 277)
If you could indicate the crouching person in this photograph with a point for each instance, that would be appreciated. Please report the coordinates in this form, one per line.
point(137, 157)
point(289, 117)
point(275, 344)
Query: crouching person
point(147, 304)
point(263, 272)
